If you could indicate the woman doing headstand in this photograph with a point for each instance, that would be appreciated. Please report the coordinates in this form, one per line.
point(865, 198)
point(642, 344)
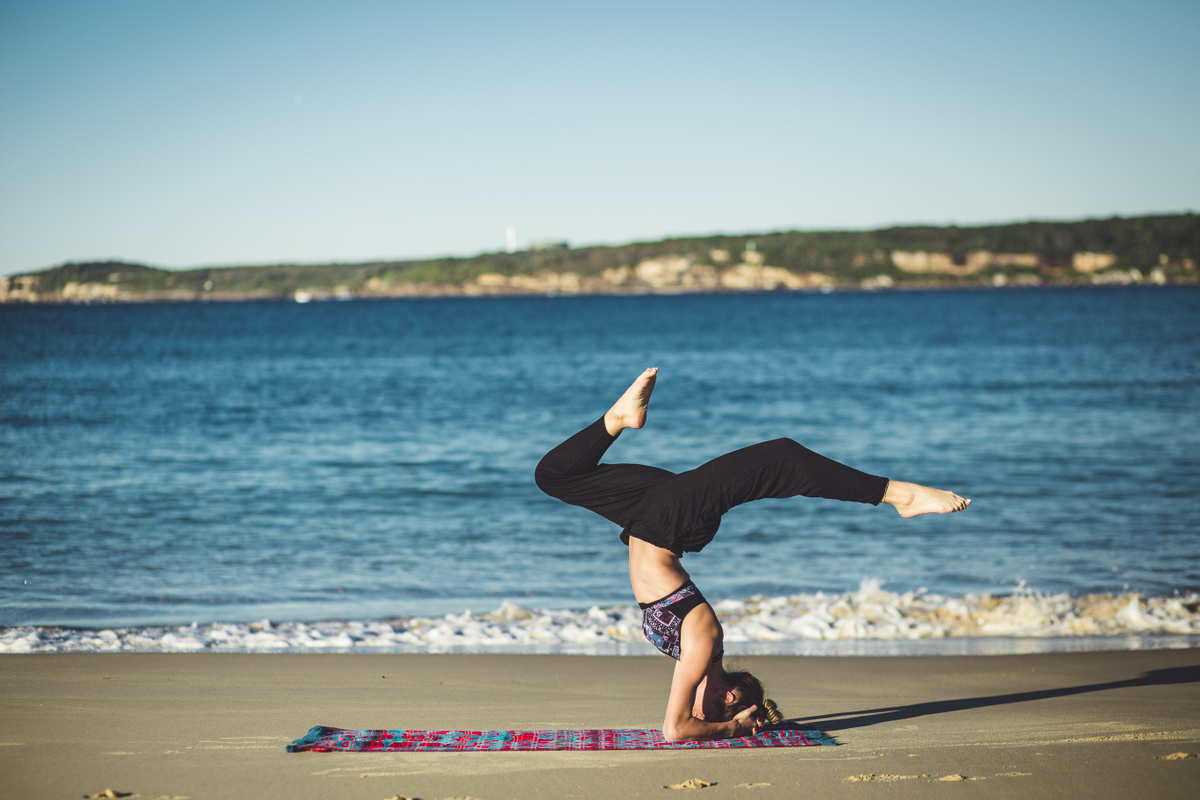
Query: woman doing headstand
point(664, 515)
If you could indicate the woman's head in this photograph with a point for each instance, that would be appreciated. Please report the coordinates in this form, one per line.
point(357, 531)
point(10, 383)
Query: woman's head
point(748, 691)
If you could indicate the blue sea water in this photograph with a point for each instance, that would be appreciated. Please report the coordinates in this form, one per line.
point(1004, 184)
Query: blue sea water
point(170, 463)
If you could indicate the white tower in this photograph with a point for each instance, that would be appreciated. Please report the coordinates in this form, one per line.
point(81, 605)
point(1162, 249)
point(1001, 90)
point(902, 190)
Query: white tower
point(511, 233)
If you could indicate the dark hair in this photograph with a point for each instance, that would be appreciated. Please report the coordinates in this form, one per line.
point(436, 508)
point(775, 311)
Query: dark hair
point(752, 694)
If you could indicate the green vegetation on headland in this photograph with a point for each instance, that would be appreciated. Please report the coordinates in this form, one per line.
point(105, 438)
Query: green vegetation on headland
point(1154, 249)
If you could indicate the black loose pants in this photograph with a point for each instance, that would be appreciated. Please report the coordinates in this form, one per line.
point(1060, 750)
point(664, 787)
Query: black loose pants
point(681, 512)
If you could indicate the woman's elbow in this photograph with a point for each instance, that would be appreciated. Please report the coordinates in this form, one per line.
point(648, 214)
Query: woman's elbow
point(675, 732)
point(672, 734)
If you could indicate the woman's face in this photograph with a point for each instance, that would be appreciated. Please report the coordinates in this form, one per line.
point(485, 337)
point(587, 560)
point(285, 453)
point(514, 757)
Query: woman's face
point(717, 699)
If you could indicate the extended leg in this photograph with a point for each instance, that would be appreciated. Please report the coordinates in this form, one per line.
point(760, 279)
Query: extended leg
point(785, 468)
point(684, 512)
point(779, 468)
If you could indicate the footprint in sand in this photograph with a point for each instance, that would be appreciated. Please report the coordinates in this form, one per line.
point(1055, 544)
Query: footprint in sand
point(691, 783)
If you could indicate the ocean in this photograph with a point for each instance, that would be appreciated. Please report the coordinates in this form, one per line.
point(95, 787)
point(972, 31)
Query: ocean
point(359, 475)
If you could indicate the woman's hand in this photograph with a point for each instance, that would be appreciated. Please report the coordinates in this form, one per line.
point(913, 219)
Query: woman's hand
point(745, 723)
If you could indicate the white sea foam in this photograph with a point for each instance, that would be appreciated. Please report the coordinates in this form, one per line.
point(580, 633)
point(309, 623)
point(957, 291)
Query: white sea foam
point(870, 620)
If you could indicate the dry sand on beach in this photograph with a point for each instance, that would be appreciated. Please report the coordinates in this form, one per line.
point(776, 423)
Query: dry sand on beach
point(199, 726)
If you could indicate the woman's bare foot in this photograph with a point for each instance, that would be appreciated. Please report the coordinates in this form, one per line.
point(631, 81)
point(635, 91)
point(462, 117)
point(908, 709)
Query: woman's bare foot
point(913, 499)
point(630, 410)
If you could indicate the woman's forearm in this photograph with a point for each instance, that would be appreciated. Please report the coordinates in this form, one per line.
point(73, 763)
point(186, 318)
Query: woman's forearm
point(693, 729)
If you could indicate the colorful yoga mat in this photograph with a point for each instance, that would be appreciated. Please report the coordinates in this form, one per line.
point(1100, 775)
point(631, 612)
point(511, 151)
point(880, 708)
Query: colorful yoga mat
point(322, 739)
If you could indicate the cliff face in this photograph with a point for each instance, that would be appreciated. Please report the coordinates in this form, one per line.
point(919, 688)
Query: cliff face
point(19, 289)
point(923, 263)
point(667, 274)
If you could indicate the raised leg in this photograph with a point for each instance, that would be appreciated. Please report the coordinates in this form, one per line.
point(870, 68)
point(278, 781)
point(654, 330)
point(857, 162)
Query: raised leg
point(572, 471)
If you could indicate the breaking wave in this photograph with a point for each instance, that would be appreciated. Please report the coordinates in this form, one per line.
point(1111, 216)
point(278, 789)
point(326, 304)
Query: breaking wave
point(870, 620)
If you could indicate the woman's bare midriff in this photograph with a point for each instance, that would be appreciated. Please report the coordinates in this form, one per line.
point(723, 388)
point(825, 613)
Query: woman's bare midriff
point(654, 572)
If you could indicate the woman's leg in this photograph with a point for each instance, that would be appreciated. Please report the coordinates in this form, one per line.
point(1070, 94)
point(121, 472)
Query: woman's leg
point(779, 468)
point(684, 512)
point(572, 471)
point(785, 468)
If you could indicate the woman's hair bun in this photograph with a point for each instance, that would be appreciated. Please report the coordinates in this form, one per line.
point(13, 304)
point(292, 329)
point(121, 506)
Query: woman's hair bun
point(771, 711)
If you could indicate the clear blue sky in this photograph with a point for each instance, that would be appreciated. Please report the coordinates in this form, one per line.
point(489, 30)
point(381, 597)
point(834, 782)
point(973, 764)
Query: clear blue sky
point(193, 134)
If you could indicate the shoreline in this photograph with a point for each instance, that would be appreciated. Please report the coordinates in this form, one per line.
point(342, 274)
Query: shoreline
point(447, 291)
point(215, 725)
point(981, 646)
point(869, 621)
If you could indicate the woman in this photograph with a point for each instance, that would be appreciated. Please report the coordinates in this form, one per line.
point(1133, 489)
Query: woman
point(664, 515)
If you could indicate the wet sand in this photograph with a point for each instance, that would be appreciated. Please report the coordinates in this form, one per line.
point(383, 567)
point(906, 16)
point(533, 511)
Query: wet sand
point(215, 726)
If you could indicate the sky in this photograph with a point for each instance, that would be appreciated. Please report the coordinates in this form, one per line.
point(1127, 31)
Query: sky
point(185, 135)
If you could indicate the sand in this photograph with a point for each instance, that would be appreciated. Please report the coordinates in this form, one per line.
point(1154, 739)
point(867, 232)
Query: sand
point(214, 726)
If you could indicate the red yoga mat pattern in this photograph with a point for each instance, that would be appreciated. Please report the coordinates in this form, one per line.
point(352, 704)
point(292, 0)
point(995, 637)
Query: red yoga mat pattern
point(321, 739)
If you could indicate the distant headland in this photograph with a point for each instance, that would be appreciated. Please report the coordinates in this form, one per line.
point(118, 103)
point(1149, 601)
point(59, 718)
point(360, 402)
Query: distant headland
point(1152, 249)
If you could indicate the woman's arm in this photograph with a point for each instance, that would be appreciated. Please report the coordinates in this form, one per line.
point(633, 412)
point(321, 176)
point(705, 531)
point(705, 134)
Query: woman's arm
point(701, 640)
point(681, 725)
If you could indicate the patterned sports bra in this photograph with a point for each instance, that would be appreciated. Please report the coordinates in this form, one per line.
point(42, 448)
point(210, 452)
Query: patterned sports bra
point(663, 619)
